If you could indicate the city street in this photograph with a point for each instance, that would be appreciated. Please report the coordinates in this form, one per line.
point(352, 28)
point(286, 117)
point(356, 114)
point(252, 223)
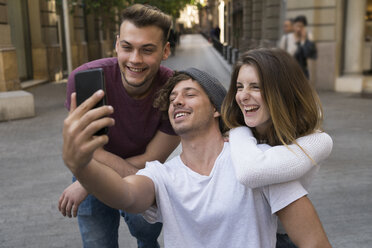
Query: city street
point(33, 176)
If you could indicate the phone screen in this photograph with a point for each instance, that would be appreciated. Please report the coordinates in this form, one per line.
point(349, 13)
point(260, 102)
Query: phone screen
point(86, 84)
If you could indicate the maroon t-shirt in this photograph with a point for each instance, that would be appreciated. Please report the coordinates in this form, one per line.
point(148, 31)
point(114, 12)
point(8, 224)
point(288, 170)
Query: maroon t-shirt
point(136, 121)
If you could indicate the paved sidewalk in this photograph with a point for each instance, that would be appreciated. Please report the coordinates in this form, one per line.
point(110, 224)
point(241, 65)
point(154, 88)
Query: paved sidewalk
point(32, 174)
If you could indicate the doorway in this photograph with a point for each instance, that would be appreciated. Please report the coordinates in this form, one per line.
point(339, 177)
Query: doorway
point(20, 35)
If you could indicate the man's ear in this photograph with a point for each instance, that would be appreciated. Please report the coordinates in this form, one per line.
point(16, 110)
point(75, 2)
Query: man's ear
point(216, 113)
point(167, 51)
point(117, 44)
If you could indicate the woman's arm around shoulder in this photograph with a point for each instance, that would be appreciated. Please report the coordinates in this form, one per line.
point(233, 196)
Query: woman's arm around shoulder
point(256, 167)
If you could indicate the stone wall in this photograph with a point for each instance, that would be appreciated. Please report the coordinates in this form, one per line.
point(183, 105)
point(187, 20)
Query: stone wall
point(9, 79)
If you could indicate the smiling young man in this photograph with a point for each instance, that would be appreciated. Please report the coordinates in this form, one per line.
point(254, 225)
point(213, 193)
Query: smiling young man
point(196, 195)
point(140, 133)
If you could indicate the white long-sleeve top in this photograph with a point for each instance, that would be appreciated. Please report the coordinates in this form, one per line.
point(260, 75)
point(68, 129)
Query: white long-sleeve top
point(260, 166)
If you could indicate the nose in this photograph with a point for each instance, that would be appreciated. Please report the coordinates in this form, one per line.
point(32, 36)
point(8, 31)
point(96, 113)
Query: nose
point(178, 101)
point(243, 96)
point(136, 57)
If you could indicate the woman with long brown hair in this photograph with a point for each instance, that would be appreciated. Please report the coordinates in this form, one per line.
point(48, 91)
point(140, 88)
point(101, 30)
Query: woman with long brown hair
point(271, 102)
point(275, 118)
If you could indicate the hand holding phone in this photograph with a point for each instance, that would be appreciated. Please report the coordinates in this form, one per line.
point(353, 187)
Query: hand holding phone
point(86, 84)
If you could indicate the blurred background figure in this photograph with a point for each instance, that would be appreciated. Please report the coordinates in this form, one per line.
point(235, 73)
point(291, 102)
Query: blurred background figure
point(288, 26)
point(299, 43)
point(172, 41)
point(287, 34)
point(215, 33)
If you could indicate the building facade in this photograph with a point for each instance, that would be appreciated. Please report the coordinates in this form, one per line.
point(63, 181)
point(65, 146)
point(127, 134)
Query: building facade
point(342, 30)
point(33, 41)
point(33, 37)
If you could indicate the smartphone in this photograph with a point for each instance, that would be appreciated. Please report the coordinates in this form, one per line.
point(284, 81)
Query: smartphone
point(86, 84)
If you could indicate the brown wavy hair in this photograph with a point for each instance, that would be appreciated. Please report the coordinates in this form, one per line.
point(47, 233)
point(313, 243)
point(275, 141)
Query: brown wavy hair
point(147, 15)
point(294, 106)
point(161, 101)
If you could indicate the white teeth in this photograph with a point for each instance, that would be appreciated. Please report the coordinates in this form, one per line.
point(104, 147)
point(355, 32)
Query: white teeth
point(179, 115)
point(250, 108)
point(136, 69)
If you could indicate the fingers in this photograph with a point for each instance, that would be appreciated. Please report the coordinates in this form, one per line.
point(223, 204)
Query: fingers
point(68, 209)
point(93, 119)
point(91, 142)
point(73, 102)
point(78, 111)
point(90, 102)
point(96, 119)
point(60, 202)
point(62, 206)
point(75, 210)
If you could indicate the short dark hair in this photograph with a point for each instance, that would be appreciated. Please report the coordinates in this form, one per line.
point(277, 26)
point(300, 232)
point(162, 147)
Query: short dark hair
point(146, 15)
point(301, 18)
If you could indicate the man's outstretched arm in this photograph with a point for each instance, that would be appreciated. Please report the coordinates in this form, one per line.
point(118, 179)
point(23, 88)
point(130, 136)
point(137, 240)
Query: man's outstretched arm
point(159, 148)
point(79, 144)
point(132, 194)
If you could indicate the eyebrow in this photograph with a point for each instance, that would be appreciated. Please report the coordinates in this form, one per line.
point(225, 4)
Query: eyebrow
point(185, 89)
point(238, 82)
point(124, 42)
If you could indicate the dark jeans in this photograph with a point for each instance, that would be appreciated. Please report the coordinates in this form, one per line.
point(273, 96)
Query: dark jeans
point(99, 224)
point(283, 241)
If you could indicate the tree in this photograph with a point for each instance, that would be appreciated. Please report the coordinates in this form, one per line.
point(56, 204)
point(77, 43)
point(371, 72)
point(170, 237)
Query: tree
point(171, 7)
point(110, 7)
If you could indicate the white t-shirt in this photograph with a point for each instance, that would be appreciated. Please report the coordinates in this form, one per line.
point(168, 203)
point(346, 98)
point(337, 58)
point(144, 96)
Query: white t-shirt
point(288, 42)
point(215, 210)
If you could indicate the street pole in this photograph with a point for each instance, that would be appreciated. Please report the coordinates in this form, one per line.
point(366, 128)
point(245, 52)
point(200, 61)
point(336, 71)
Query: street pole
point(67, 35)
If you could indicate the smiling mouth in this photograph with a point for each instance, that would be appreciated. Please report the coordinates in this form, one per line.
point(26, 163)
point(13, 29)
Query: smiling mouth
point(250, 109)
point(133, 69)
point(179, 115)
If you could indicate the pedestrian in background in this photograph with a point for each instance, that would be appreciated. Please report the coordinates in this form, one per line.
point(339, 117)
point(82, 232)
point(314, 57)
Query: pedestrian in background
point(215, 33)
point(287, 29)
point(140, 133)
point(270, 102)
point(172, 41)
point(300, 43)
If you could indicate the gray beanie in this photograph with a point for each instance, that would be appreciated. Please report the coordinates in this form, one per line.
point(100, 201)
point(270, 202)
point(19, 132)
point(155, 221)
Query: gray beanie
point(211, 86)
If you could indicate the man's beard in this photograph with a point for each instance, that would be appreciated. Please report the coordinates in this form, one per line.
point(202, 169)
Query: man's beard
point(130, 84)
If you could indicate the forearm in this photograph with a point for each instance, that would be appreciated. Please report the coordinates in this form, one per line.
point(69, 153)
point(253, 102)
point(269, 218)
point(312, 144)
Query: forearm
point(79, 146)
point(121, 166)
point(256, 168)
point(133, 194)
point(159, 148)
point(105, 184)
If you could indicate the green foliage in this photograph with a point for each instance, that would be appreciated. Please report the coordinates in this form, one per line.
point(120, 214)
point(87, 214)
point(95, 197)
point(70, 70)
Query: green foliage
point(104, 7)
point(109, 7)
point(171, 7)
